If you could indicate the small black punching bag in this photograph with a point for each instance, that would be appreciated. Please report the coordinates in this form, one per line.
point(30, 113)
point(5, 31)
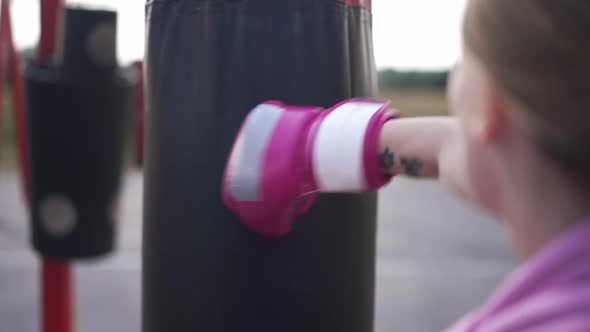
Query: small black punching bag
point(76, 109)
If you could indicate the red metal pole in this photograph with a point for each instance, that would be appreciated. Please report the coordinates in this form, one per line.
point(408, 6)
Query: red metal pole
point(3, 62)
point(50, 15)
point(57, 313)
point(139, 113)
point(17, 101)
point(56, 276)
point(363, 3)
point(17, 96)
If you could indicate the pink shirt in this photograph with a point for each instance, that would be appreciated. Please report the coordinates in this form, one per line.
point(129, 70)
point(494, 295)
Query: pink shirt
point(548, 293)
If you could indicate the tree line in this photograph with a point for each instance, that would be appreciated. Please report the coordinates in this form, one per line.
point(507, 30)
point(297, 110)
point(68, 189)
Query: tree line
point(394, 79)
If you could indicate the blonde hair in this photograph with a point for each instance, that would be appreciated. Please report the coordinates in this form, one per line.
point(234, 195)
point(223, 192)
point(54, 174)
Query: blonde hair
point(538, 53)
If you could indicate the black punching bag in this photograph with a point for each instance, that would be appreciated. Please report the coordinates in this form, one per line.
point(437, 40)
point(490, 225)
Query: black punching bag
point(208, 63)
point(76, 111)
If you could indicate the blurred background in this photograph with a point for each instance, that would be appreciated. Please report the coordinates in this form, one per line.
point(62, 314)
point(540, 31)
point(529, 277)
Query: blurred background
point(438, 257)
point(416, 43)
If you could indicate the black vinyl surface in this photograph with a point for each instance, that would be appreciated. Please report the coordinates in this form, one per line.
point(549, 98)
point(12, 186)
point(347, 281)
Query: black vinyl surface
point(88, 50)
point(76, 113)
point(207, 64)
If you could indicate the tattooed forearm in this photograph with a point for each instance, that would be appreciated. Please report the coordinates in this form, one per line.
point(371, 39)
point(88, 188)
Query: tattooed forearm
point(412, 166)
point(409, 166)
point(387, 158)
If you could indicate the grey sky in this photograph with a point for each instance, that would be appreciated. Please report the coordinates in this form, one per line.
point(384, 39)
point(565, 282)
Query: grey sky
point(408, 34)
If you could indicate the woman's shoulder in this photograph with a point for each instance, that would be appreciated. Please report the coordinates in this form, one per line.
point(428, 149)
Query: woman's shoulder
point(559, 308)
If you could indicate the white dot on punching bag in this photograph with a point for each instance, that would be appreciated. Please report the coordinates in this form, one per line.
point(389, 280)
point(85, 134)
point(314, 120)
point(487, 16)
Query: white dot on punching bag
point(58, 215)
point(101, 45)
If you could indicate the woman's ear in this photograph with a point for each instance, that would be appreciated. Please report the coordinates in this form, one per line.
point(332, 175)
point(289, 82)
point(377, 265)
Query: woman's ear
point(491, 124)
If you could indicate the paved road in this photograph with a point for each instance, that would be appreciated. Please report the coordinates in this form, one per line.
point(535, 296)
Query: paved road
point(437, 258)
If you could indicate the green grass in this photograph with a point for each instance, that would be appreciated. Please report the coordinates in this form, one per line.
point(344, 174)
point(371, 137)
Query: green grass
point(417, 102)
point(410, 102)
point(8, 158)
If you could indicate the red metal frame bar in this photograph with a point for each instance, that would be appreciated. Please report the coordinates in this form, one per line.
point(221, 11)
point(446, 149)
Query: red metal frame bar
point(139, 113)
point(56, 283)
point(57, 295)
point(56, 275)
point(56, 287)
point(50, 16)
point(362, 3)
point(17, 97)
point(3, 62)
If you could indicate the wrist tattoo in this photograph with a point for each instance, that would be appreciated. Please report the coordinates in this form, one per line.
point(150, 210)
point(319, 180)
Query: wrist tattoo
point(412, 166)
point(387, 158)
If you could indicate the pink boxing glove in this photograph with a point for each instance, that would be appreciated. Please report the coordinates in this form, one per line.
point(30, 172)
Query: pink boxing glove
point(284, 156)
